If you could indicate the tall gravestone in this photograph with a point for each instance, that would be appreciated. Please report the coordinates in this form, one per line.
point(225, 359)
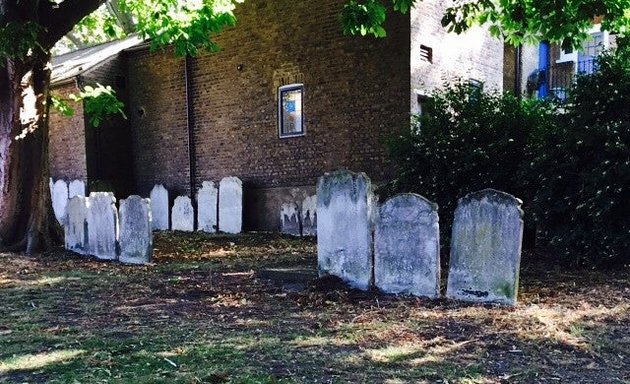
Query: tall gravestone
point(407, 247)
point(160, 208)
point(309, 216)
point(344, 227)
point(136, 236)
point(289, 219)
point(102, 222)
point(231, 205)
point(486, 248)
point(76, 226)
point(207, 206)
point(59, 196)
point(76, 188)
point(183, 215)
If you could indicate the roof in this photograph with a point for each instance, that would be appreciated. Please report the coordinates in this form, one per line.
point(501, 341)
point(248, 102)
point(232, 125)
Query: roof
point(72, 64)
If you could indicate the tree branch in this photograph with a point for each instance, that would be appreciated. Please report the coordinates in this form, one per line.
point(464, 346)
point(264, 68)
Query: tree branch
point(59, 19)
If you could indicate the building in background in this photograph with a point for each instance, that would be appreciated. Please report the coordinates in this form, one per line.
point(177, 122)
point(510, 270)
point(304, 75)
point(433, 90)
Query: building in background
point(286, 99)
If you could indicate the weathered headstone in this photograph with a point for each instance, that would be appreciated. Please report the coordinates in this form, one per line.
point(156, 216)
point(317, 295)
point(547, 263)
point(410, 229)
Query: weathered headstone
point(344, 227)
point(183, 215)
point(407, 247)
point(76, 188)
point(76, 227)
point(159, 208)
point(59, 196)
point(231, 205)
point(136, 237)
point(289, 219)
point(207, 205)
point(102, 221)
point(309, 216)
point(486, 248)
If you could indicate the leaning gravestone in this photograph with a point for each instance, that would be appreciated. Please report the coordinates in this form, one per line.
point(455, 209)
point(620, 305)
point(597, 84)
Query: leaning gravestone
point(407, 247)
point(159, 208)
point(207, 205)
point(102, 222)
point(76, 188)
point(59, 196)
point(486, 248)
point(75, 225)
point(344, 227)
point(289, 219)
point(183, 215)
point(136, 238)
point(231, 205)
point(309, 216)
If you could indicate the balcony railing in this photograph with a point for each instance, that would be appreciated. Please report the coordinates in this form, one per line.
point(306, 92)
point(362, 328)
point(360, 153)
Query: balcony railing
point(562, 76)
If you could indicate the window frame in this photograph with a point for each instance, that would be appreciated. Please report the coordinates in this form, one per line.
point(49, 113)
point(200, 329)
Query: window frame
point(281, 91)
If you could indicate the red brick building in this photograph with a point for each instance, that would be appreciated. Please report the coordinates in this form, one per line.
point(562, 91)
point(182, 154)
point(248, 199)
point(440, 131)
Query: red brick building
point(286, 99)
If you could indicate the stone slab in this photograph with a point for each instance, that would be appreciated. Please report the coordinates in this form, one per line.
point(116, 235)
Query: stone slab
point(102, 220)
point(289, 219)
point(136, 236)
point(76, 188)
point(160, 208)
point(231, 205)
point(309, 216)
point(344, 227)
point(407, 247)
point(486, 248)
point(183, 215)
point(59, 196)
point(76, 226)
point(207, 206)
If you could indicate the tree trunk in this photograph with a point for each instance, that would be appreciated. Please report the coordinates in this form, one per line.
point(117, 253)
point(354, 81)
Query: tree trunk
point(26, 222)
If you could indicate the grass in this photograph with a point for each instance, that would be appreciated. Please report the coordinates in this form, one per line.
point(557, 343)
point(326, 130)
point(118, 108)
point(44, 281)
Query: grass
point(199, 314)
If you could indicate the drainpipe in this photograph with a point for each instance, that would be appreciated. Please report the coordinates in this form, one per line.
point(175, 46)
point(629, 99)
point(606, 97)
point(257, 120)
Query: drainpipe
point(190, 123)
point(543, 67)
point(518, 72)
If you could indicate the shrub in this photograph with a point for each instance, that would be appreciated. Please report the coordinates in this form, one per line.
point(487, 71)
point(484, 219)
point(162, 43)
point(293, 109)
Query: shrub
point(466, 141)
point(582, 167)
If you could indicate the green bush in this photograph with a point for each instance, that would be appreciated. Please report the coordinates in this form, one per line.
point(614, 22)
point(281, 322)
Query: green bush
point(582, 167)
point(570, 164)
point(465, 141)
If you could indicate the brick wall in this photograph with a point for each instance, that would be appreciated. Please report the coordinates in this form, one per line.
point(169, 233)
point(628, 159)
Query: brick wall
point(67, 155)
point(109, 154)
point(100, 156)
point(355, 96)
point(157, 113)
point(472, 55)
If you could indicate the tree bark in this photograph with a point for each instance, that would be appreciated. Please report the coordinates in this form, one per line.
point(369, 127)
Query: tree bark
point(26, 222)
point(26, 219)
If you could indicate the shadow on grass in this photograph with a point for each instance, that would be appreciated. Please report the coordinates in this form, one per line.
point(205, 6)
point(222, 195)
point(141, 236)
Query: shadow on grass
point(210, 320)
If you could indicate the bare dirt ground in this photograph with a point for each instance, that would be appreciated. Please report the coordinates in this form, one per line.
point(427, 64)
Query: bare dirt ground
point(201, 314)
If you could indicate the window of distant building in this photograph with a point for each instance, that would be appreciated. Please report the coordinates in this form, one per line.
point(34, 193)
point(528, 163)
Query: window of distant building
point(584, 58)
point(291, 110)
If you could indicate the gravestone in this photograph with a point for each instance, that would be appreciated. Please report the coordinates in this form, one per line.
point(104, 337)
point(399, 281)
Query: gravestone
point(207, 205)
point(76, 188)
point(183, 215)
point(486, 248)
point(159, 208)
point(76, 227)
point(102, 222)
point(407, 247)
point(136, 236)
point(59, 196)
point(309, 216)
point(289, 219)
point(344, 227)
point(231, 205)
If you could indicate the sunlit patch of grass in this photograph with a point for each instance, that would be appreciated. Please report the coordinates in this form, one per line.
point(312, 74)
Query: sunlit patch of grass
point(37, 361)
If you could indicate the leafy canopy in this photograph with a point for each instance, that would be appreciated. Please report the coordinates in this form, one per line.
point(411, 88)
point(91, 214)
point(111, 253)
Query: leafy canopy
point(518, 21)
